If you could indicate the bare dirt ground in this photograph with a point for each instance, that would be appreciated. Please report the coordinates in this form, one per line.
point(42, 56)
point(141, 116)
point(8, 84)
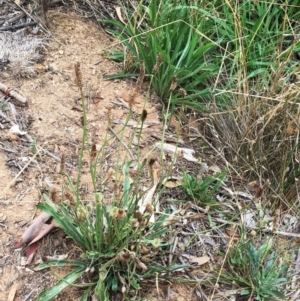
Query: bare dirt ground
point(53, 118)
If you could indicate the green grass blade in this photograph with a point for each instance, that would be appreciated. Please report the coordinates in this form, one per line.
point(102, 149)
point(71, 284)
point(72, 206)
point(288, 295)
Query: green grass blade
point(70, 278)
point(85, 296)
point(160, 221)
point(61, 263)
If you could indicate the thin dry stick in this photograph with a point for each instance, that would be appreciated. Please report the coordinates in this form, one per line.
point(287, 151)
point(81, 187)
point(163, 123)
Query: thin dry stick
point(129, 151)
point(17, 26)
point(56, 158)
point(257, 228)
point(221, 269)
point(8, 150)
point(40, 23)
point(221, 156)
point(16, 177)
point(30, 139)
point(124, 104)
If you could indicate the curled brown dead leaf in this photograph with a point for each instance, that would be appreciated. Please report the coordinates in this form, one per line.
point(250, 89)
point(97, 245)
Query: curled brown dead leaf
point(32, 231)
point(14, 137)
point(37, 230)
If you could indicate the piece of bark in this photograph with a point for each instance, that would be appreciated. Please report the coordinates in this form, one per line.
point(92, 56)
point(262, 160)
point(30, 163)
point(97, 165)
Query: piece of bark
point(20, 99)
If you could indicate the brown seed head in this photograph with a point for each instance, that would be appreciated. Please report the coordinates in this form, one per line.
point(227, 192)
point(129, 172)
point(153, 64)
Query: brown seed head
point(151, 162)
point(173, 83)
point(138, 215)
point(69, 196)
point(121, 213)
point(116, 188)
point(149, 208)
point(54, 196)
point(78, 76)
point(144, 162)
point(62, 164)
point(109, 116)
point(158, 64)
point(141, 77)
point(131, 99)
point(182, 92)
point(93, 153)
point(144, 115)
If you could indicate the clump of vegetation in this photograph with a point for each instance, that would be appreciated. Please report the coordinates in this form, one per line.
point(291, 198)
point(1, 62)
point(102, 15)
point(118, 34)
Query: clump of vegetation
point(258, 131)
point(202, 190)
point(167, 37)
point(258, 271)
point(118, 243)
point(122, 238)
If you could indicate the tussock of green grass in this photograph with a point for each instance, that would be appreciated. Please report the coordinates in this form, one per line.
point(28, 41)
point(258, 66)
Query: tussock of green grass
point(167, 36)
point(120, 238)
point(258, 271)
point(258, 131)
point(202, 190)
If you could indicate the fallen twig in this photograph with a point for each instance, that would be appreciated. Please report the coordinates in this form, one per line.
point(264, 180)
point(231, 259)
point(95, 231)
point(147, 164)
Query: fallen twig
point(219, 220)
point(45, 151)
point(8, 150)
point(17, 26)
point(125, 105)
point(30, 139)
point(16, 18)
point(17, 176)
point(22, 100)
point(40, 23)
point(115, 134)
point(72, 119)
